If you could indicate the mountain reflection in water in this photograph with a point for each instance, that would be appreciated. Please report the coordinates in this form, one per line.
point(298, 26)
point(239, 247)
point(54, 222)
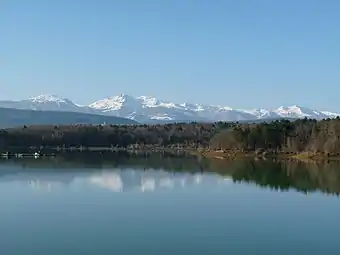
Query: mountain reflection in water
point(122, 173)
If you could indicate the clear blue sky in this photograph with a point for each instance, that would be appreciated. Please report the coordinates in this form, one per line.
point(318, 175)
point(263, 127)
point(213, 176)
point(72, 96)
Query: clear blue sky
point(240, 53)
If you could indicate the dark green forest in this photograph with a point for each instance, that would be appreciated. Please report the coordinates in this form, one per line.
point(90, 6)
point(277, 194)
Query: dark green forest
point(280, 136)
point(303, 135)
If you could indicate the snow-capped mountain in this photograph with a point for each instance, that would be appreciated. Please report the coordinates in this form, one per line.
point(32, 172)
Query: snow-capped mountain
point(47, 103)
point(145, 108)
point(150, 109)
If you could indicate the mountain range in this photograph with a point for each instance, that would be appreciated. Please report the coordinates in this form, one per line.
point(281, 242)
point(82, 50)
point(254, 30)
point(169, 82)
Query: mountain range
point(146, 109)
point(21, 117)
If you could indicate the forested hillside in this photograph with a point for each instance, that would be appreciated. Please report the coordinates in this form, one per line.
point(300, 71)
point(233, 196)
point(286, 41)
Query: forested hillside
point(281, 136)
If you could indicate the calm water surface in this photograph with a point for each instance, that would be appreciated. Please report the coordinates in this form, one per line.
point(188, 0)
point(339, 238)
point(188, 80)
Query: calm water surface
point(167, 206)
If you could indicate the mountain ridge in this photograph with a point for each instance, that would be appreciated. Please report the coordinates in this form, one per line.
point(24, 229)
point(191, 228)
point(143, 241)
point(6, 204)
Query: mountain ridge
point(148, 108)
point(11, 117)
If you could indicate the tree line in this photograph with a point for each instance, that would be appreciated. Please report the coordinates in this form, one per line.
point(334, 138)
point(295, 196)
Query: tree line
point(123, 136)
point(280, 136)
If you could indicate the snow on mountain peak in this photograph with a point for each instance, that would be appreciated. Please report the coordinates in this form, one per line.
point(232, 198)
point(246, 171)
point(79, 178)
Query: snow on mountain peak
point(108, 104)
point(122, 97)
point(149, 101)
point(153, 108)
point(261, 113)
point(46, 98)
point(330, 114)
point(50, 98)
point(114, 103)
point(295, 111)
point(146, 108)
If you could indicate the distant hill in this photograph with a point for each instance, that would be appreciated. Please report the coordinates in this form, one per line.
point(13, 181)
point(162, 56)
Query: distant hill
point(15, 117)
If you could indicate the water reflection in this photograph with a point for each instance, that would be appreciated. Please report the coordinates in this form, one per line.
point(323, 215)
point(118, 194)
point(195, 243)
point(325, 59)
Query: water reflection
point(116, 180)
point(111, 181)
point(151, 180)
point(120, 173)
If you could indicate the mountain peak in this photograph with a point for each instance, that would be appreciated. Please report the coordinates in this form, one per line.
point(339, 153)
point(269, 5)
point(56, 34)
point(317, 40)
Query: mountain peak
point(296, 111)
point(149, 101)
point(151, 107)
point(114, 103)
point(43, 98)
point(146, 108)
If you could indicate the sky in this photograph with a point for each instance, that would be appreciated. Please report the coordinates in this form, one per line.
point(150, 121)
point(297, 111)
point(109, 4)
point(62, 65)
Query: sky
point(238, 53)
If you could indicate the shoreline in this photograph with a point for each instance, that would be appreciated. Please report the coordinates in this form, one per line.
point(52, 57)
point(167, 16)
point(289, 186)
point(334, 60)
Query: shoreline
point(227, 155)
point(209, 154)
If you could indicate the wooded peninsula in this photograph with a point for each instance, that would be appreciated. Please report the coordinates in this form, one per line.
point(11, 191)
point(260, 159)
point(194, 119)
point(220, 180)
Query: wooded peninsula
point(299, 137)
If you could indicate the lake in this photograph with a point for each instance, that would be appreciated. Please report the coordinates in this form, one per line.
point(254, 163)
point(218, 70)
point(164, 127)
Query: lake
point(167, 205)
